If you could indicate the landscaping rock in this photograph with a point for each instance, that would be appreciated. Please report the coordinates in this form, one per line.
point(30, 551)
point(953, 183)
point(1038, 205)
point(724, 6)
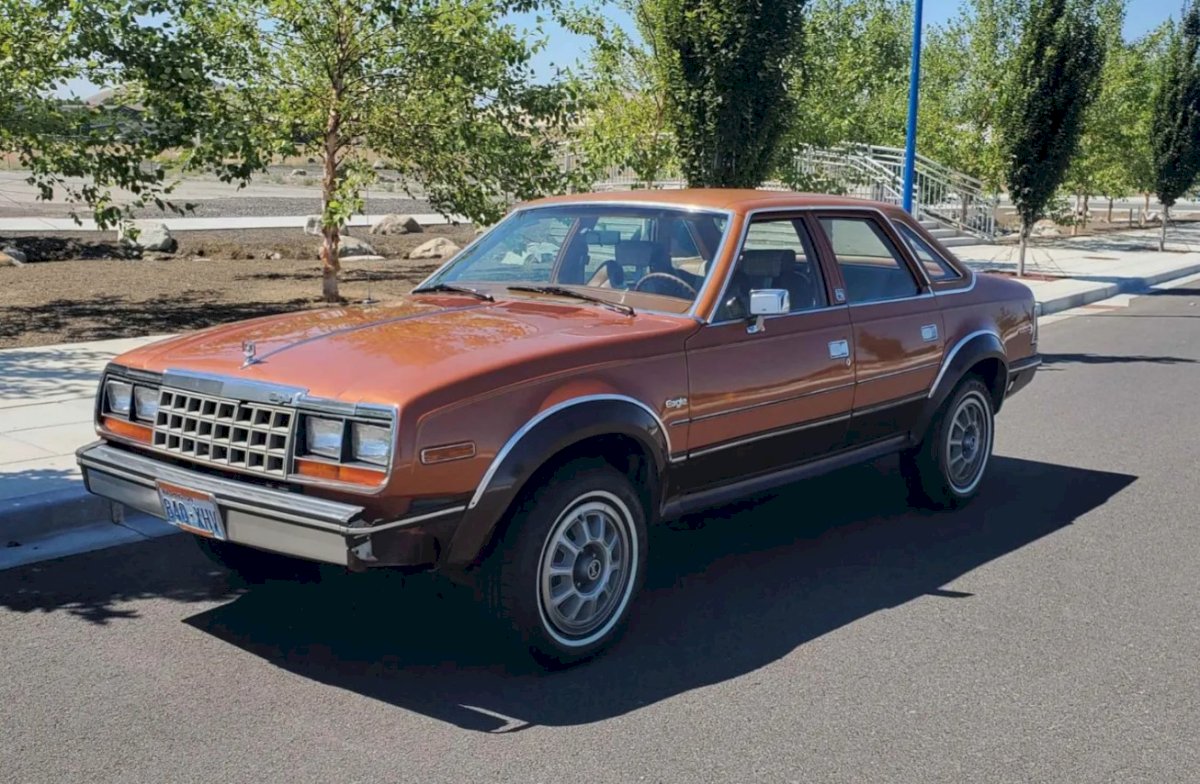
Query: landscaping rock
point(380, 164)
point(436, 248)
point(152, 237)
point(15, 257)
point(397, 224)
point(299, 173)
point(1152, 217)
point(276, 256)
point(352, 246)
point(1046, 228)
point(8, 261)
point(312, 225)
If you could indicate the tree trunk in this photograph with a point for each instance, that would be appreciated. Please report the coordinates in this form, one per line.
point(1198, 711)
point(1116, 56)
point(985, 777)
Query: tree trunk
point(1021, 249)
point(1162, 233)
point(1110, 206)
point(1145, 210)
point(1084, 216)
point(330, 265)
point(1075, 222)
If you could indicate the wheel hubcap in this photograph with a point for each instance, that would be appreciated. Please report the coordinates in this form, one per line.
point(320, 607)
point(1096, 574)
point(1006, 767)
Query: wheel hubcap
point(968, 443)
point(586, 567)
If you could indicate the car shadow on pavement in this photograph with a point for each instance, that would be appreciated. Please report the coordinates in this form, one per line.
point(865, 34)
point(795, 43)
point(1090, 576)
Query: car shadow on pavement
point(757, 581)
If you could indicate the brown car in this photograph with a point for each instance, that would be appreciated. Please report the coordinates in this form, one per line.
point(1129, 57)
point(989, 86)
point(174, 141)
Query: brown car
point(587, 368)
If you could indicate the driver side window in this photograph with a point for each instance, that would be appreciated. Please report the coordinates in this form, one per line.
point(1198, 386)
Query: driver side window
point(777, 254)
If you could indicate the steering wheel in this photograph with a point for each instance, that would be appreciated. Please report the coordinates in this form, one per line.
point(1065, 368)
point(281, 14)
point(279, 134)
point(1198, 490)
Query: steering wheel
point(658, 281)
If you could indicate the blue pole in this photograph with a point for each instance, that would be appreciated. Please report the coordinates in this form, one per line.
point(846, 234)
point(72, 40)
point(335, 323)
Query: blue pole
point(910, 137)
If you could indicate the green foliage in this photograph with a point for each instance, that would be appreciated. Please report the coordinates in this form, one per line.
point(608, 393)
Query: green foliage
point(1115, 138)
point(853, 74)
point(725, 68)
point(1053, 81)
point(626, 123)
point(964, 66)
point(1175, 124)
point(97, 155)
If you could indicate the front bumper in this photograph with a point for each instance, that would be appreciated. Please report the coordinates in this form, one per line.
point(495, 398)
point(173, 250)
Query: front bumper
point(276, 520)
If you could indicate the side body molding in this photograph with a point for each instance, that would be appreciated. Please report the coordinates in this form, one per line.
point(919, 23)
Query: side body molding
point(969, 350)
point(546, 434)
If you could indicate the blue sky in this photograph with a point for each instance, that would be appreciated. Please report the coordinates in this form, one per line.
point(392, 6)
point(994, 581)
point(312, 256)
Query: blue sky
point(565, 49)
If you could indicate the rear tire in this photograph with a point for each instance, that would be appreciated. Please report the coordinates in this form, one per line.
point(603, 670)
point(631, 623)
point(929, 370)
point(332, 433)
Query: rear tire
point(257, 566)
point(570, 563)
point(946, 469)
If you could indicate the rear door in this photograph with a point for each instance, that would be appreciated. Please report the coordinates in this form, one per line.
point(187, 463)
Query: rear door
point(897, 326)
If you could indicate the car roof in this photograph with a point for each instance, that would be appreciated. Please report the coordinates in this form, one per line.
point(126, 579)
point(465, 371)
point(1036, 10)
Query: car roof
point(733, 199)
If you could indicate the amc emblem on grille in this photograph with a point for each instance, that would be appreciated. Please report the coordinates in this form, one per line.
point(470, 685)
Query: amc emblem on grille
point(249, 436)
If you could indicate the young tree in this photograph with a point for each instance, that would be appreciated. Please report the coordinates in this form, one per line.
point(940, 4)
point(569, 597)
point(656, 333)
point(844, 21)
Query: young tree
point(626, 123)
point(853, 75)
point(442, 89)
point(1053, 81)
point(725, 69)
point(1175, 127)
point(964, 68)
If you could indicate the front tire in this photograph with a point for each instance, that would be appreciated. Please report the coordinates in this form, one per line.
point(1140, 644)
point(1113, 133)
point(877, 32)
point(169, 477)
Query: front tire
point(571, 561)
point(946, 469)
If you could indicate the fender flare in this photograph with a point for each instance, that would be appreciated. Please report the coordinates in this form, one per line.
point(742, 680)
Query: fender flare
point(969, 351)
point(546, 434)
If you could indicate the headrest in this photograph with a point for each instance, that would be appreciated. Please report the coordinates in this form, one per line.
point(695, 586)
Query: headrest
point(765, 263)
point(634, 253)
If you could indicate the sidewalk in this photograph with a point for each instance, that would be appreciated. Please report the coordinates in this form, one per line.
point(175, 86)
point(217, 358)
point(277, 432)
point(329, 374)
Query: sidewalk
point(46, 393)
point(1096, 267)
point(46, 398)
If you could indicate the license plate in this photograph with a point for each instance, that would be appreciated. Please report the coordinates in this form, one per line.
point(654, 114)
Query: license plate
point(191, 510)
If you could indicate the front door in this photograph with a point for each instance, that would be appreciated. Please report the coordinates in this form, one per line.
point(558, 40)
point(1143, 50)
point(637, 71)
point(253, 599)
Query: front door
point(898, 331)
point(763, 399)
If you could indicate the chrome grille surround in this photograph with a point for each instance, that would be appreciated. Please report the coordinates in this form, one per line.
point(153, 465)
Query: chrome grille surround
point(244, 435)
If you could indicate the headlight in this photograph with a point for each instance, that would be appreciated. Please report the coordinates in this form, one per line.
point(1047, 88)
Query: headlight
point(118, 396)
point(145, 403)
point(370, 443)
point(323, 437)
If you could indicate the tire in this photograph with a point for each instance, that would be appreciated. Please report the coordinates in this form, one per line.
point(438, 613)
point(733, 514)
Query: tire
point(564, 606)
point(946, 469)
point(257, 566)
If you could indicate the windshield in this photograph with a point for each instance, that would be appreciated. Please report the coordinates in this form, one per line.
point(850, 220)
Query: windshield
point(657, 258)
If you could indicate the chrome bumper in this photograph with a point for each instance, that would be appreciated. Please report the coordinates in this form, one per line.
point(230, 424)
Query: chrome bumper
point(275, 520)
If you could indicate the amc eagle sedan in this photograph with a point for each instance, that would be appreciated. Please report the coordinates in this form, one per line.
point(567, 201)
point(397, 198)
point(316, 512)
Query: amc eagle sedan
point(589, 367)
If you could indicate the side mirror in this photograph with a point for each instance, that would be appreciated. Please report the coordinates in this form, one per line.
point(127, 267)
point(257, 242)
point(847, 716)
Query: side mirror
point(767, 302)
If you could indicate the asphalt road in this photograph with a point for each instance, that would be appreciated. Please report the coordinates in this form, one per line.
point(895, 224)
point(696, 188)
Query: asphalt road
point(1050, 632)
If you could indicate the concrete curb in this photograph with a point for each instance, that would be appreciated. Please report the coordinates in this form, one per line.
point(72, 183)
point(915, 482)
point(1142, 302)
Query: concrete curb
point(1103, 291)
point(44, 514)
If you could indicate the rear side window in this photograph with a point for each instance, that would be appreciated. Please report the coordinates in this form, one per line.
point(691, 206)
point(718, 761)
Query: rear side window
point(936, 267)
point(872, 267)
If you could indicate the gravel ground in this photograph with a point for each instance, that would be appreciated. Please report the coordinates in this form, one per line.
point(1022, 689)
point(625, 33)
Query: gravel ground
point(214, 277)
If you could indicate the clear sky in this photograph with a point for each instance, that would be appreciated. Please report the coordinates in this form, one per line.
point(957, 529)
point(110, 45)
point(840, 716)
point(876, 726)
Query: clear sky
point(1141, 17)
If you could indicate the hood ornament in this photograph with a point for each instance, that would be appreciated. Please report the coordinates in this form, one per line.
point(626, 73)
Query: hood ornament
point(248, 357)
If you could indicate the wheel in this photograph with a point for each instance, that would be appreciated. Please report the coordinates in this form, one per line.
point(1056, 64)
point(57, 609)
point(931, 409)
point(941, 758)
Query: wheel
point(257, 566)
point(947, 467)
point(571, 560)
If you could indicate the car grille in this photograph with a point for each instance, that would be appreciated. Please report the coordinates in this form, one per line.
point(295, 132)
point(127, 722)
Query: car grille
point(248, 436)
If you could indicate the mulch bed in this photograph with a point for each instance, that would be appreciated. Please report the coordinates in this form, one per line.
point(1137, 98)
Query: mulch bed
point(82, 286)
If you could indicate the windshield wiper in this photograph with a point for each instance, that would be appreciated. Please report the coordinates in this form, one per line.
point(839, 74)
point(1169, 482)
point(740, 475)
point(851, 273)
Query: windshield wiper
point(563, 291)
point(456, 290)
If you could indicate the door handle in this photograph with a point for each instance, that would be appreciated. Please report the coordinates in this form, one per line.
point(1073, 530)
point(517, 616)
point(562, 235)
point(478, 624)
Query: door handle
point(839, 349)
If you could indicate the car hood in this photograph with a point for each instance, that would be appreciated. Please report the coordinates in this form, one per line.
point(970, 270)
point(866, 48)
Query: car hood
point(390, 353)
